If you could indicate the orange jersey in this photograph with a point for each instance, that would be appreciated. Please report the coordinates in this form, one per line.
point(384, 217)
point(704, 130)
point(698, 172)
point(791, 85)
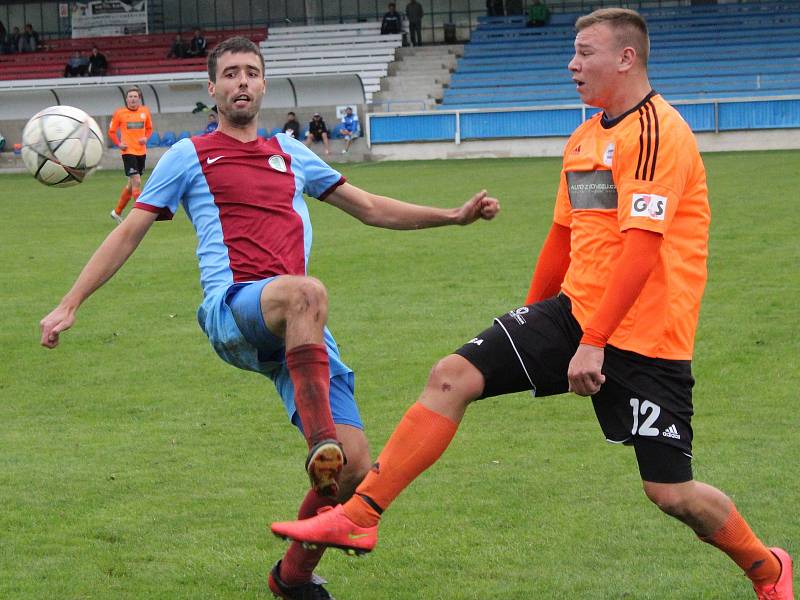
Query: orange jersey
point(643, 171)
point(132, 126)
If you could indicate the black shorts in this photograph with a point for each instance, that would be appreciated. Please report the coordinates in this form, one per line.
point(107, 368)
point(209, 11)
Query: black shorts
point(643, 400)
point(133, 164)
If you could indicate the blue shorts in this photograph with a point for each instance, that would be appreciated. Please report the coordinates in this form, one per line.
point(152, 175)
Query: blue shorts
point(234, 323)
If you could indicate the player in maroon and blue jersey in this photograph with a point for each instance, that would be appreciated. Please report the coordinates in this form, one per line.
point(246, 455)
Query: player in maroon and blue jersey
point(261, 311)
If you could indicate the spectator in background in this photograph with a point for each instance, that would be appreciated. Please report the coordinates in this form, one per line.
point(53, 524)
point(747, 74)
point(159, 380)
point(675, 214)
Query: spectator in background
point(77, 65)
point(211, 127)
point(13, 40)
point(3, 35)
point(292, 126)
point(29, 40)
point(178, 49)
point(514, 7)
point(349, 128)
point(538, 14)
point(98, 65)
point(494, 8)
point(392, 21)
point(318, 131)
point(415, 13)
point(197, 45)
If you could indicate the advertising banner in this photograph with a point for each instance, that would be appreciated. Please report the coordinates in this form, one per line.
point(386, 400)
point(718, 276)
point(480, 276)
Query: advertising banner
point(96, 18)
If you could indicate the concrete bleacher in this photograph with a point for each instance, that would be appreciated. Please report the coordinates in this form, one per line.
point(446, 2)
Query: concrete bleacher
point(357, 48)
point(709, 51)
point(127, 55)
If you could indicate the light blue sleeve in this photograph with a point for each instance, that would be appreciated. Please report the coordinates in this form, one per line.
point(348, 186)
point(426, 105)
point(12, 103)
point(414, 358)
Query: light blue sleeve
point(166, 185)
point(318, 176)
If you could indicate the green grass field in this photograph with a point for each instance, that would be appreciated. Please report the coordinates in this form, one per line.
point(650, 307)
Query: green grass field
point(136, 464)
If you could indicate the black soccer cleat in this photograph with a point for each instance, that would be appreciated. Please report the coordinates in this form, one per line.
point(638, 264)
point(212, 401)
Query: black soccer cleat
point(312, 590)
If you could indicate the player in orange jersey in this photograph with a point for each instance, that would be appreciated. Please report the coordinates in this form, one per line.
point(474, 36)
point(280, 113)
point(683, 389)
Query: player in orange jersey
point(611, 313)
point(134, 123)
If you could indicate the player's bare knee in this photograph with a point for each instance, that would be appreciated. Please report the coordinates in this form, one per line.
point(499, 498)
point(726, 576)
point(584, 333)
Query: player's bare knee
point(670, 499)
point(308, 297)
point(453, 378)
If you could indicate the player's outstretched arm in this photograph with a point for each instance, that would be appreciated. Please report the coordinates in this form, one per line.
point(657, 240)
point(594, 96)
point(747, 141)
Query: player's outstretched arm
point(382, 211)
point(106, 261)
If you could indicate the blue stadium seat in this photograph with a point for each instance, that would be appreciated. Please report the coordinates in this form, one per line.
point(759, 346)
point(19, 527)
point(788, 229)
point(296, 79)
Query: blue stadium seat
point(336, 132)
point(154, 141)
point(183, 135)
point(701, 51)
point(168, 138)
point(262, 132)
point(275, 130)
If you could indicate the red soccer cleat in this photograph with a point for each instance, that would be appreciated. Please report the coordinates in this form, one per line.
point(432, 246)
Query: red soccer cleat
point(331, 527)
point(324, 465)
point(781, 589)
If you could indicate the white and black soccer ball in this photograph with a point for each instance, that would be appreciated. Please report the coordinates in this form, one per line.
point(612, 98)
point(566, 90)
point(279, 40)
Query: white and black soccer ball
point(61, 145)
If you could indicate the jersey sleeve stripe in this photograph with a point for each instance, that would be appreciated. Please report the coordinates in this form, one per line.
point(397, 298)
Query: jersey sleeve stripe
point(655, 147)
point(649, 136)
point(648, 142)
point(641, 141)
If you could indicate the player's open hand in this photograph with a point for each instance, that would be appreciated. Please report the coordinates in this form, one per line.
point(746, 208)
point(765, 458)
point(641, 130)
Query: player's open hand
point(585, 370)
point(60, 319)
point(480, 206)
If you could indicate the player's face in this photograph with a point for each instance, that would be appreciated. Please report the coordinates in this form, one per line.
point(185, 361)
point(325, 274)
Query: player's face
point(239, 88)
point(133, 101)
point(595, 65)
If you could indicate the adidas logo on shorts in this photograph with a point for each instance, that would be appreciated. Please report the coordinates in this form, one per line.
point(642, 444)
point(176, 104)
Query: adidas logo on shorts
point(671, 432)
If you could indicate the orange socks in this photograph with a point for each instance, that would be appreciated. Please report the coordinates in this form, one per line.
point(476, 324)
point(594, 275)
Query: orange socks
point(737, 540)
point(123, 200)
point(419, 440)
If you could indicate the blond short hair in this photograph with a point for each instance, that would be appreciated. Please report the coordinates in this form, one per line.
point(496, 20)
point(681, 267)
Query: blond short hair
point(629, 27)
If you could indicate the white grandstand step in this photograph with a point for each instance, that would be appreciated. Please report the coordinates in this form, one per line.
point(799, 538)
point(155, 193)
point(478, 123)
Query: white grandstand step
point(361, 63)
point(439, 50)
point(339, 52)
point(363, 70)
point(351, 27)
point(384, 96)
point(437, 63)
point(395, 68)
point(378, 105)
point(396, 84)
point(394, 40)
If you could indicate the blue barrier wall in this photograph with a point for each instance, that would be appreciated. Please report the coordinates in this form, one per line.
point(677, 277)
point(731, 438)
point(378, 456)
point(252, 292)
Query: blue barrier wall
point(472, 124)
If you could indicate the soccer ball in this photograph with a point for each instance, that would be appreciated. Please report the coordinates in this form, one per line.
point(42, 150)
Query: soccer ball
point(61, 145)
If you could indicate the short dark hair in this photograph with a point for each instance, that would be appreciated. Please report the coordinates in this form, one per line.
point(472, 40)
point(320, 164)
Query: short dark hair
point(133, 88)
point(234, 45)
point(291, 113)
point(629, 27)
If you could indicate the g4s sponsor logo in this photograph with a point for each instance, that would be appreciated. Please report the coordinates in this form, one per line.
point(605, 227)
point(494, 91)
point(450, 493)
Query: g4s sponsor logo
point(651, 206)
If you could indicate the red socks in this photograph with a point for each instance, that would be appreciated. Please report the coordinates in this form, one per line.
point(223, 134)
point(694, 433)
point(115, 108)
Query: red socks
point(298, 563)
point(308, 368)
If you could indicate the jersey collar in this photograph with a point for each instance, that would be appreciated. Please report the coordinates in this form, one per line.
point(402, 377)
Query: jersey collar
point(609, 123)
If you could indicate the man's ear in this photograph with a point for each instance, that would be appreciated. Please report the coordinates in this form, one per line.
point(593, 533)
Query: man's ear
point(627, 58)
